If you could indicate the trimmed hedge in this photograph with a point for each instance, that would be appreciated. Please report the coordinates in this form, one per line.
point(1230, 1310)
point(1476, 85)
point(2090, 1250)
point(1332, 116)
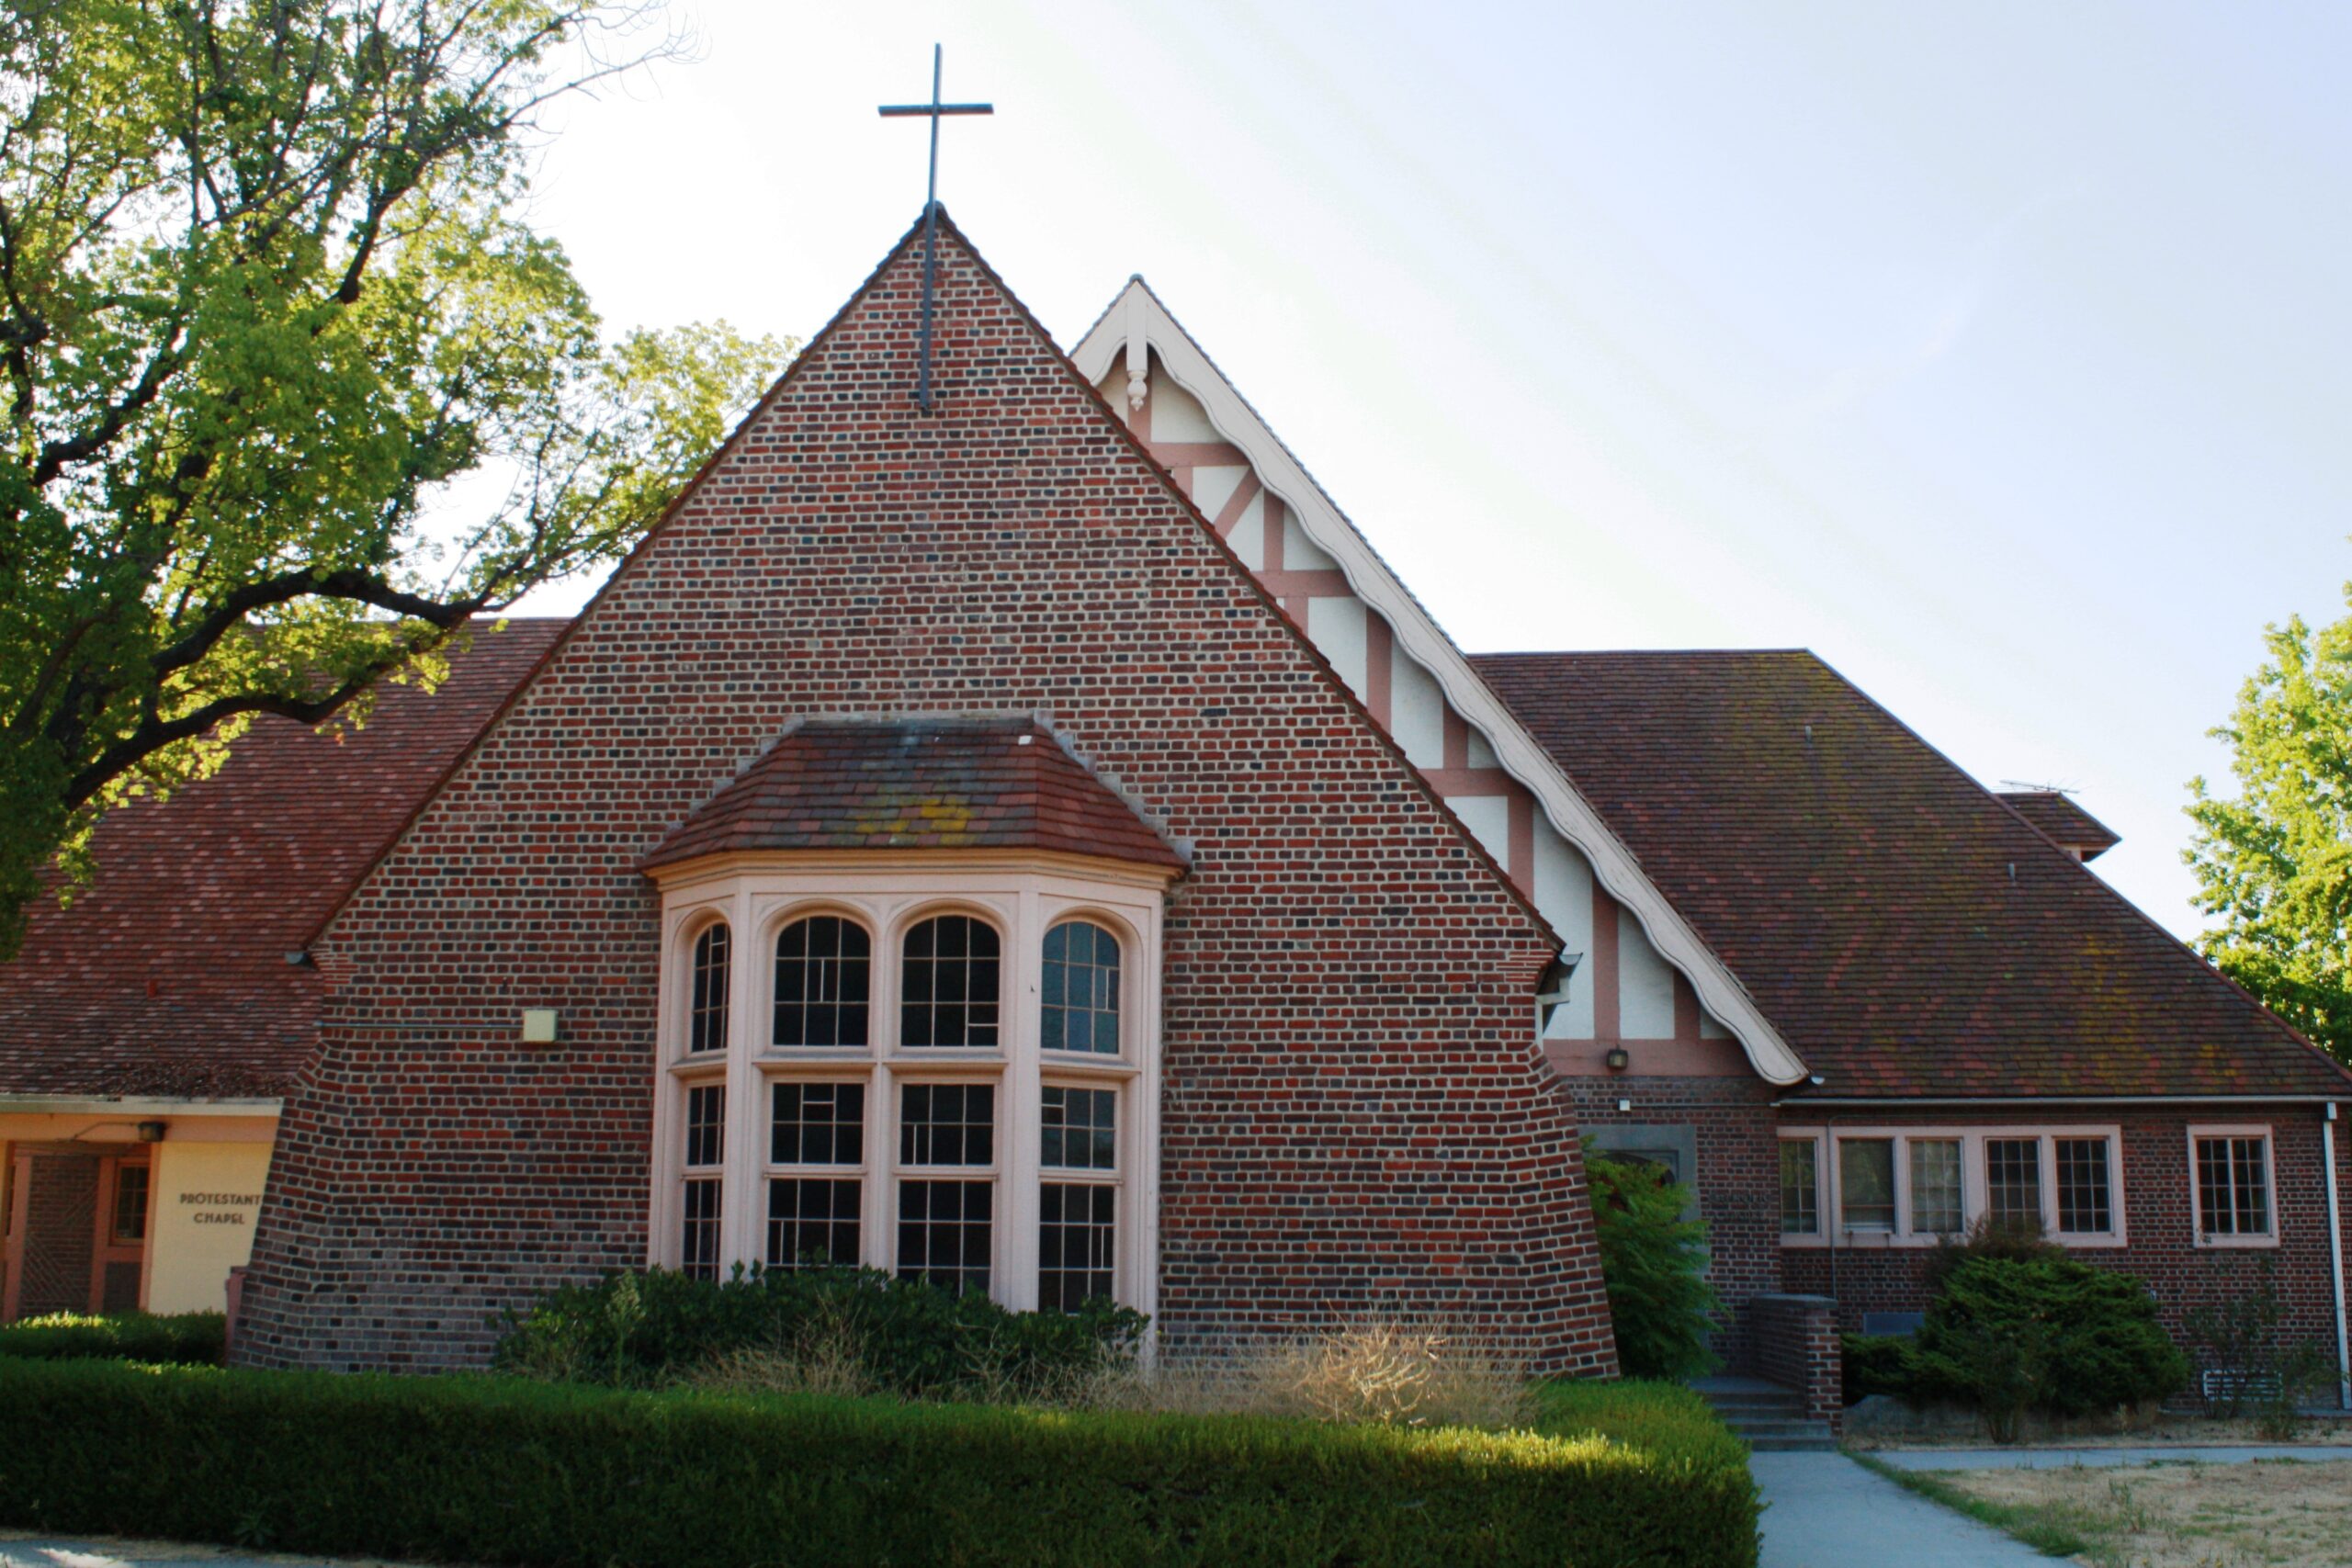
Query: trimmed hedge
point(507, 1471)
point(193, 1339)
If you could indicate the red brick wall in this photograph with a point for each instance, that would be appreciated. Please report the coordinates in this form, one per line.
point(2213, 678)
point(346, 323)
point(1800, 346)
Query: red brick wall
point(1737, 1178)
point(1356, 1113)
point(2160, 1250)
point(61, 1234)
point(1794, 1340)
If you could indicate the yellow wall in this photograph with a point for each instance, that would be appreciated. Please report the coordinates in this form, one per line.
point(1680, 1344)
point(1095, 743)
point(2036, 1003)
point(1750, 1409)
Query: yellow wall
point(207, 1198)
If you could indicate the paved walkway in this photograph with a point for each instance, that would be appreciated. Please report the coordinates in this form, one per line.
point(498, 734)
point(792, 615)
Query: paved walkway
point(1828, 1512)
point(2060, 1458)
point(17, 1551)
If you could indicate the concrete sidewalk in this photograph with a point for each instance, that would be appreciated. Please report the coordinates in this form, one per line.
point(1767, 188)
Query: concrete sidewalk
point(2061, 1459)
point(1826, 1511)
point(18, 1550)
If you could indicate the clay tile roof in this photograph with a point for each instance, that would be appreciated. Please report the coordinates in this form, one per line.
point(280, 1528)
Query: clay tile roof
point(1907, 931)
point(168, 974)
point(918, 784)
point(2057, 817)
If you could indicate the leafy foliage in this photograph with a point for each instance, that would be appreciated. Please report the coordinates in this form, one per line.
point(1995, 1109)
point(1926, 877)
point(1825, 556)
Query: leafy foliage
point(503, 1470)
point(2265, 1373)
point(2008, 1334)
point(2275, 865)
point(905, 1337)
point(2014, 1240)
point(288, 387)
point(193, 1339)
point(1875, 1363)
point(1653, 1262)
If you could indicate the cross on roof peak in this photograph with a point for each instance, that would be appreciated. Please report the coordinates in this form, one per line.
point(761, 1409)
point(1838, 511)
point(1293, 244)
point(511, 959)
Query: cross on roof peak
point(932, 110)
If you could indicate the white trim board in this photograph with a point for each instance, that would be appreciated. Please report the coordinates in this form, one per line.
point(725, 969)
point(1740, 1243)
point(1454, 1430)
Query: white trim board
point(1137, 314)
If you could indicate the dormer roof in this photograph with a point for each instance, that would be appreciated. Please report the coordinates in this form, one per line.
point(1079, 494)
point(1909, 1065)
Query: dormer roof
point(2055, 816)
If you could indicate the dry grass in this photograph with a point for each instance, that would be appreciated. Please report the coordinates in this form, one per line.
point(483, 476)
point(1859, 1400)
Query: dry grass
point(2177, 1515)
point(1387, 1371)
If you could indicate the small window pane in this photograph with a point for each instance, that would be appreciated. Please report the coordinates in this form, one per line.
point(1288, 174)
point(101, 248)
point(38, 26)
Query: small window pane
point(705, 1124)
point(131, 1203)
point(2085, 1202)
point(1866, 1176)
point(1080, 1002)
point(947, 1123)
point(948, 984)
point(818, 1124)
point(812, 1223)
point(823, 966)
point(1799, 1188)
point(1075, 1238)
point(944, 1233)
point(2232, 1187)
point(2013, 1182)
point(1081, 1130)
point(706, 1022)
point(698, 1254)
point(1935, 1186)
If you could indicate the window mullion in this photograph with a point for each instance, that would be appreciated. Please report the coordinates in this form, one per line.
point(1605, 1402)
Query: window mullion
point(743, 1195)
point(1020, 1108)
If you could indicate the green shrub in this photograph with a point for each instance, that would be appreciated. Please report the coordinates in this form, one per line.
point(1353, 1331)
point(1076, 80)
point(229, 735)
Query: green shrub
point(645, 1330)
point(1876, 1363)
point(509, 1471)
point(2265, 1371)
point(1653, 1262)
point(2049, 1333)
point(2016, 1239)
point(193, 1339)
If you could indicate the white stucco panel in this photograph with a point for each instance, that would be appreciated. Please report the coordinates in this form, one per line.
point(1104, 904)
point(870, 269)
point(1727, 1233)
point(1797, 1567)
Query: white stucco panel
point(1563, 889)
point(1488, 818)
point(1176, 415)
point(1335, 626)
point(1645, 985)
point(1416, 712)
point(1299, 552)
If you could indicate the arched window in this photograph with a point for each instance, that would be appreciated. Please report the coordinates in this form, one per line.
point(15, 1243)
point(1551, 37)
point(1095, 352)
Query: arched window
point(822, 967)
point(1081, 989)
point(707, 1019)
point(948, 982)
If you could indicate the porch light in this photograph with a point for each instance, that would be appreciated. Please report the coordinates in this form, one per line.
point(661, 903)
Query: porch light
point(150, 1131)
point(1619, 1058)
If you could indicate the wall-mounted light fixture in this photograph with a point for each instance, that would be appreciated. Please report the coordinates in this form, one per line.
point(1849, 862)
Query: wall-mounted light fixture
point(1619, 1058)
point(150, 1131)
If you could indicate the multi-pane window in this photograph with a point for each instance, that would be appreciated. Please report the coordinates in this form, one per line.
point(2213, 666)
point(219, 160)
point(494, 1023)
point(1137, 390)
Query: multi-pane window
point(947, 1123)
point(2085, 1198)
point(812, 1221)
point(1866, 1183)
point(2233, 1186)
point(2013, 1182)
point(705, 1149)
point(823, 966)
point(707, 1015)
point(131, 1203)
point(1935, 1186)
point(1800, 1187)
point(1082, 1128)
point(945, 1227)
point(1076, 1233)
point(1081, 989)
point(948, 983)
point(818, 1124)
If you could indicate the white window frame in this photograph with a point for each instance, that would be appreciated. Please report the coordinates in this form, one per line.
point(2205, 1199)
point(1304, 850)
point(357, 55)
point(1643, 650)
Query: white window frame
point(2199, 1132)
point(1829, 1188)
point(887, 893)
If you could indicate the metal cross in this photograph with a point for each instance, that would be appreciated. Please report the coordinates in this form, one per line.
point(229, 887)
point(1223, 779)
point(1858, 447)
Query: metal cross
point(930, 210)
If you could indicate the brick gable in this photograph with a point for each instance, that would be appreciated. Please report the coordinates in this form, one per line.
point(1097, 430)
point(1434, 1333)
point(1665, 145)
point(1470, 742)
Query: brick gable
point(1356, 1115)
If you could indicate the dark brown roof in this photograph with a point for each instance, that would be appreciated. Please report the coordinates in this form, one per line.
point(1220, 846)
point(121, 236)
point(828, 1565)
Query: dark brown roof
point(168, 974)
point(923, 785)
point(2057, 817)
point(1908, 933)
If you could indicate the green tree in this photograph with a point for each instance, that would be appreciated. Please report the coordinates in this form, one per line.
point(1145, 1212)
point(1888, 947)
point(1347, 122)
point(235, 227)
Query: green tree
point(267, 296)
point(1653, 1265)
point(2275, 865)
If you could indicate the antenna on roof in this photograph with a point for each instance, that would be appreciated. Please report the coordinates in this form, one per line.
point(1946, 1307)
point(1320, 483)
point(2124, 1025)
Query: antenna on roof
point(933, 110)
point(2041, 788)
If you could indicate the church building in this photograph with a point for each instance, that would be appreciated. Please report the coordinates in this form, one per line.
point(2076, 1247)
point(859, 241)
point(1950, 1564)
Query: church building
point(1035, 844)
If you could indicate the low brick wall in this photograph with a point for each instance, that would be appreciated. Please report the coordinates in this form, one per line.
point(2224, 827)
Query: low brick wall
point(1794, 1341)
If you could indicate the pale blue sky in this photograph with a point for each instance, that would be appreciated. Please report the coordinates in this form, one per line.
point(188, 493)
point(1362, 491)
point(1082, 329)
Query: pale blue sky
point(1997, 352)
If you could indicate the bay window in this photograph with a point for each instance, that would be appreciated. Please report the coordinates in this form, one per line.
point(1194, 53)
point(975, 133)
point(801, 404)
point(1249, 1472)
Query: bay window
point(1911, 1186)
point(952, 1077)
